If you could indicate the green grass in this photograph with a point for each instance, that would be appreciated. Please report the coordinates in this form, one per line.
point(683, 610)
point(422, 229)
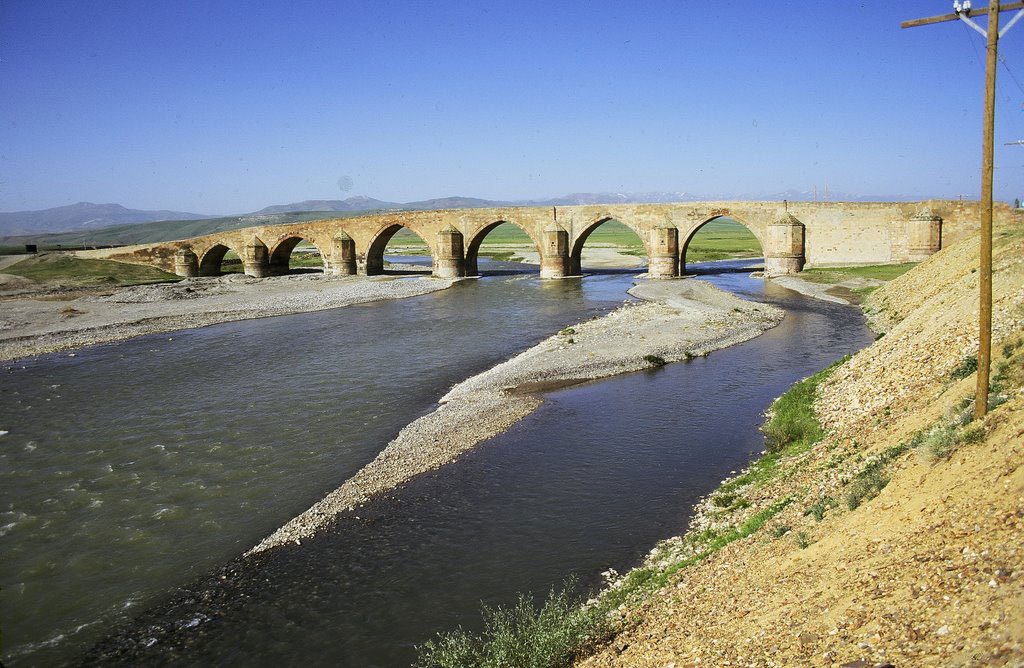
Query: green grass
point(793, 426)
point(882, 272)
point(722, 239)
point(79, 272)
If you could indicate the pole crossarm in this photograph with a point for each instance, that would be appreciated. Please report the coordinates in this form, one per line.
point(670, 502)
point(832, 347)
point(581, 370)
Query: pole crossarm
point(1008, 7)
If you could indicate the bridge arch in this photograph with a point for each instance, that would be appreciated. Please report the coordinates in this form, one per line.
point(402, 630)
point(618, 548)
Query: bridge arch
point(281, 252)
point(477, 238)
point(375, 251)
point(212, 259)
point(689, 234)
point(576, 249)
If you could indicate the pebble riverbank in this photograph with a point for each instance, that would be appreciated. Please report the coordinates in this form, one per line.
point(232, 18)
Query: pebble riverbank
point(677, 320)
point(34, 326)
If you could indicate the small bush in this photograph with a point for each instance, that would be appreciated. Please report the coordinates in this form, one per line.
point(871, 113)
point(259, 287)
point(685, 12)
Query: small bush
point(522, 635)
point(780, 531)
point(793, 424)
point(803, 541)
point(968, 366)
point(865, 487)
point(820, 507)
point(688, 355)
point(568, 331)
point(654, 360)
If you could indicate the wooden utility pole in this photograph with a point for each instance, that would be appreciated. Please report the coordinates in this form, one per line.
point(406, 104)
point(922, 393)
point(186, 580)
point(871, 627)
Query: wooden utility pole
point(992, 35)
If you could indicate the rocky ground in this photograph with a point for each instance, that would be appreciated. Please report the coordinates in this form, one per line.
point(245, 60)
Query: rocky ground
point(899, 537)
point(52, 319)
point(680, 319)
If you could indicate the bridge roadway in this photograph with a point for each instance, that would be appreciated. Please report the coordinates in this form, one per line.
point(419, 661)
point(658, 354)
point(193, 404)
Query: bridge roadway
point(792, 235)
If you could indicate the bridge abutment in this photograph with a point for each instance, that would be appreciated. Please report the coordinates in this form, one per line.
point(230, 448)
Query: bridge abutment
point(664, 259)
point(186, 263)
point(784, 252)
point(449, 261)
point(554, 257)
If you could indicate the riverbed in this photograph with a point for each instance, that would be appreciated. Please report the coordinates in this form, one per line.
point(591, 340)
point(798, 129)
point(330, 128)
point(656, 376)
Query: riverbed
point(206, 443)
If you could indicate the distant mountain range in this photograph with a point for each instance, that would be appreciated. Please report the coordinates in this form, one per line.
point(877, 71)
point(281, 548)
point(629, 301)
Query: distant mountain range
point(83, 216)
point(86, 216)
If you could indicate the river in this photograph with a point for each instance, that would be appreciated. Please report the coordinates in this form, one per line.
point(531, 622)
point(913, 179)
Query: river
point(138, 467)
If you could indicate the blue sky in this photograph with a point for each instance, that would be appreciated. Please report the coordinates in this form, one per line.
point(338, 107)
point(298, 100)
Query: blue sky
point(225, 107)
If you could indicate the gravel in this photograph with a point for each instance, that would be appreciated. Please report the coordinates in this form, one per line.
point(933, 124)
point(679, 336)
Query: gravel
point(33, 326)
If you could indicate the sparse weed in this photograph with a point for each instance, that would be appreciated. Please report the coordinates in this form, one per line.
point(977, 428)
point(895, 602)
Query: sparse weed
point(803, 540)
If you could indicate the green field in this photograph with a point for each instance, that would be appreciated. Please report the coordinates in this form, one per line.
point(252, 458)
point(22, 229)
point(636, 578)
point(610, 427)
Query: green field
point(882, 272)
point(71, 271)
point(720, 239)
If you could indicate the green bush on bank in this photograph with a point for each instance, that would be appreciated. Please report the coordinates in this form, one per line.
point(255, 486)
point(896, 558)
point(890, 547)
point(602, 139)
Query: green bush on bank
point(523, 636)
point(792, 425)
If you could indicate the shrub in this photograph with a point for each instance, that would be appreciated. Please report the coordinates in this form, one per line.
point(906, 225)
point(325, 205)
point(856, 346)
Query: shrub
point(568, 331)
point(654, 360)
point(820, 507)
point(967, 366)
point(793, 424)
point(523, 636)
point(865, 487)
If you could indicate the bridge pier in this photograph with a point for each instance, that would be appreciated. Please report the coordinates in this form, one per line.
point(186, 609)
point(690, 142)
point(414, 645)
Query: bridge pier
point(449, 261)
point(554, 256)
point(186, 263)
point(784, 252)
point(664, 259)
point(256, 259)
point(343, 255)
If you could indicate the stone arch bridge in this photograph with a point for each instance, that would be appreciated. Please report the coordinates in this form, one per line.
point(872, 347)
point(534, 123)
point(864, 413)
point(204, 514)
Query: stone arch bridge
point(792, 235)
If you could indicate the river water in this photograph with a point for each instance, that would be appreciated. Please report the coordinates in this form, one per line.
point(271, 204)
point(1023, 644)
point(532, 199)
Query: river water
point(135, 468)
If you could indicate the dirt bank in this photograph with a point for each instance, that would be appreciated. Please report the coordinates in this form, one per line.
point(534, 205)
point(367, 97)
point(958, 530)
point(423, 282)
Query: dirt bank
point(36, 324)
point(680, 319)
point(897, 538)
